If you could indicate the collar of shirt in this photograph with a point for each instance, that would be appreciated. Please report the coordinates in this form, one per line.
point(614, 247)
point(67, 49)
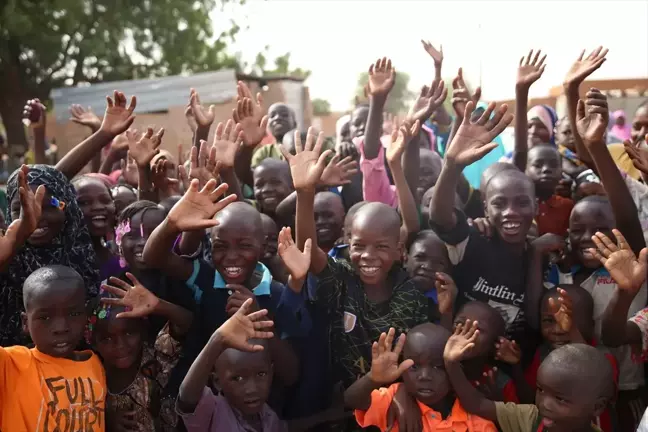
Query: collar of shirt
point(263, 288)
point(337, 250)
point(457, 413)
point(432, 294)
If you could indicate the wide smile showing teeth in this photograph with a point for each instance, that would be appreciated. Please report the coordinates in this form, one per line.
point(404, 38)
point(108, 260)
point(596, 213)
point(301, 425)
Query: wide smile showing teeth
point(511, 227)
point(233, 271)
point(61, 345)
point(138, 254)
point(98, 218)
point(40, 232)
point(369, 271)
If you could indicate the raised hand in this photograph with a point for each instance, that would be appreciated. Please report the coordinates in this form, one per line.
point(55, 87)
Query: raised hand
point(473, 139)
point(191, 118)
point(119, 145)
point(204, 165)
point(237, 331)
point(138, 301)
point(204, 118)
point(118, 116)
point(427, 102)
point(460, 95)
point(34, 113)
point(461, 342)
point(592, 125)
point(446, 292)
point(382, 77)
point(437, 55)
point(400, 138)
point(507, 351)
point(30, 212)
point(582, 68)
point(339, 172)
point(239, 295)
point(307, 165)
point(129, 171)
point(166, 186)
point(531, 69)
point(561, 309)
point(250, 115)
point(296, 261)
point(638, 153)
point(144, 150)
point(84, 117)
point(384, 360)
point(627, 271)
point(227, 142)
point(196, 208)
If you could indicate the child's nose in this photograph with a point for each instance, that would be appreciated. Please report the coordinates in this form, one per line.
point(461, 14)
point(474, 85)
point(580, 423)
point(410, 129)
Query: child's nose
point(60, 325)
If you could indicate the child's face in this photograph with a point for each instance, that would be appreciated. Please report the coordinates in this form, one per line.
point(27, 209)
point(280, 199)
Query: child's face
point(119, 341)
point(271, 236)
point(142, 225)
point(372, 251)
point(553, 333)
point(538, 133)
point(564, 135)
point(271, 186)
point(544, 168)
point(56, 318)
point(358, 122)
point(236, 248)
point(562, 401)
point(122, 198)
point(51, 221)
point(426, 257)
point(280, 120)
point(245, 379)
point(586, 219)
point(429, 171)
point(489, 333)
point(510, 206)
point(640, 124)
point(426, 380)
point(97, 206)
point(329, 218)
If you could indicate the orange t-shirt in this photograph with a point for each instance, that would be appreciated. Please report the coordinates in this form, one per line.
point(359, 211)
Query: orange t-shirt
point(458, 420)
point(43, 393)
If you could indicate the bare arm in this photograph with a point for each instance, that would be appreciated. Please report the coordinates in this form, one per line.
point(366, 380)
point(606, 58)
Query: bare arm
point(381, 80)
point(358, 395)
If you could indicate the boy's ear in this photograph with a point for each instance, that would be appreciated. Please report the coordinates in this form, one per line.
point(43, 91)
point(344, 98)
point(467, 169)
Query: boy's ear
point(23, 319)
point(600, 405)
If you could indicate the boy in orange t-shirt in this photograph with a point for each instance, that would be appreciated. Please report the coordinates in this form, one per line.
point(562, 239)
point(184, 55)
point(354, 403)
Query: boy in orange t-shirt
point(424, 378)
point(52, 387)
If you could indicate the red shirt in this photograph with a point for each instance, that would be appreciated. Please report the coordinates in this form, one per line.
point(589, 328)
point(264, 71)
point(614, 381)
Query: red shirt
point(553, 215)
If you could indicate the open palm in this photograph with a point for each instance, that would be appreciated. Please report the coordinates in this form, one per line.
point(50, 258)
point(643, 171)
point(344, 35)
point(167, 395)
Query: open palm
point(584, 67)
point(144, 150)
point(237, 331)
point(461, 96)
point(204, 117)
point(138, 300)
point(339, 172)
point(381, 77)
point(296, 261)
point(428, 101)
point(249, 115)
point(530, 69)
point(561, 309)
point(627, 271)
point(473, 139)
point(400, 138)
point(461, 342)
point(84, 117)
point(436, 54)
point(118, 117)
point(385, 368)
point(307, 165)
point(203, 165)
point(227, 142)
point(196, 208)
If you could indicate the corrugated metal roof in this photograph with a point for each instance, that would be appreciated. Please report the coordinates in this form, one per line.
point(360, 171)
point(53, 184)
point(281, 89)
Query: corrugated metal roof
point(154, 94)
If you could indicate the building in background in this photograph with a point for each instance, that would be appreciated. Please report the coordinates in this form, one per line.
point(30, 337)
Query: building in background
point(161, 102)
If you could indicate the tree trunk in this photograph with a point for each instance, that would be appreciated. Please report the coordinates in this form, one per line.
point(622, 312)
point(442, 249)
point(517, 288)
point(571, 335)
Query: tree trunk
point(11, 107)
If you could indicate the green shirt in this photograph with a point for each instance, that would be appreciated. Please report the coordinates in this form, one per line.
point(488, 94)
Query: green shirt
point(513, 417)
point(272, 151)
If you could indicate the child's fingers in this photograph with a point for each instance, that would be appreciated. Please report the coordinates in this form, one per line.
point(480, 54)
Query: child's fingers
point(111, 301)
point(321, 161)
point(621, 240)
point(406, 364)
point(318, 143)
point(257, 317)
point(375, 350)
point(381, 343)
point(194, 157)
point(400, 343)
point(389, 341)
point(132, 278)
point(218, 134)
point(610, 246)
point(308, 245)
point(114, 290)
point(260, 334)
point(286, 154)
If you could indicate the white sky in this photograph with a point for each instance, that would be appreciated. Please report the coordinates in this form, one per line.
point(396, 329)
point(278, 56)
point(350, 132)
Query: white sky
point(338, 39)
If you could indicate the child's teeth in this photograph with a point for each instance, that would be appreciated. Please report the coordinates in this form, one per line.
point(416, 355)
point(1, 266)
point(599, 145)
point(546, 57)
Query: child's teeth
point(233, 270)
point(99, 218)
point(370, 270)
point(511, 225)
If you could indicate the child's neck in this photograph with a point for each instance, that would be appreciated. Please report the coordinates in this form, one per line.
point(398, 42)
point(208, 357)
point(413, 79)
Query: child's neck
point(119, 380)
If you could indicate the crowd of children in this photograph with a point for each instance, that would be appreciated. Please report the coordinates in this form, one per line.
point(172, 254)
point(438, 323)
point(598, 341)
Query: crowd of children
point(427, 287)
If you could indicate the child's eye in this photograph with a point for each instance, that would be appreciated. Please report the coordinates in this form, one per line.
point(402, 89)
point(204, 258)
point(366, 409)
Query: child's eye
point(383, 247)
point(262, 374)
point(237, 378)
point(75, 313)
point(43, 318)
point(413, 367)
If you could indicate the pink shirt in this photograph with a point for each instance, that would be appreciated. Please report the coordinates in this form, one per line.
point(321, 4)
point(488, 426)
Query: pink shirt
point(213, 413)
point(375, 181)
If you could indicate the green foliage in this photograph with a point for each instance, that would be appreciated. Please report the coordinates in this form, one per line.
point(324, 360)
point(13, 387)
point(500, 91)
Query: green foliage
point(321, 107)
point(399, 97)
point(281, 66)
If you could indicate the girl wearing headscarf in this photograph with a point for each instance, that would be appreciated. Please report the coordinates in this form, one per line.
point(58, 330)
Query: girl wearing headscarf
point(61, 238)
point(620, 129)
point(541, 124)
